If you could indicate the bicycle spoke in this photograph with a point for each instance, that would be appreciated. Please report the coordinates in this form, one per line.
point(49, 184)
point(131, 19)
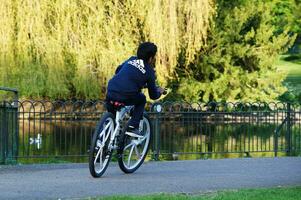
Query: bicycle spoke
point(106, 138)
point(104, 130)
point(101, 133)
point(130, 155)
point(109, 124)
point(127, 146)
point(137, 152)
point(110, 132)
point(97, 155)
point(100, 159)
point(141, 140)
point(111, 129)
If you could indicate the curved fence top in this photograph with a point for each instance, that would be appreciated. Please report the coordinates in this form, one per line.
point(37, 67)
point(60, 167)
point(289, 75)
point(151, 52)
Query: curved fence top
point(79, 106)
point(9, 89)
point(13, 103)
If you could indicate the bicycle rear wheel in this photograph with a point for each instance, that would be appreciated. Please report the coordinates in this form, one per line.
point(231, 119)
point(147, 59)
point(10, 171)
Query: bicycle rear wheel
point(132, 151)
point(100, 154)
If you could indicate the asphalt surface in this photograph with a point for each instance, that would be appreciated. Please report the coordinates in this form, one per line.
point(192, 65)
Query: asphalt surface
point(72, 181)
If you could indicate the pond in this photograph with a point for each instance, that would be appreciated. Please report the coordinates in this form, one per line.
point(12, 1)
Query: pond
point(186, 137)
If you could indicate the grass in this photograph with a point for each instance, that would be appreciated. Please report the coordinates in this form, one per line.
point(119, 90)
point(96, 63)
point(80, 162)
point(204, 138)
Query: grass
point(51, 160)
point(292, 67)
point(280, 193)
point(291, 64)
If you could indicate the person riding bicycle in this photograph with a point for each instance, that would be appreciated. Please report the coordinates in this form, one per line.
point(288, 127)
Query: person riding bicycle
point(130, 77)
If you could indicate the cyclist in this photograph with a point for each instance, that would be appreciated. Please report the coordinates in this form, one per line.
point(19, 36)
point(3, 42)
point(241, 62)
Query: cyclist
point(130, 77)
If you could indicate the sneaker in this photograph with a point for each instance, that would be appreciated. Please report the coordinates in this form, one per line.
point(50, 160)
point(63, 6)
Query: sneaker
point(134, 132)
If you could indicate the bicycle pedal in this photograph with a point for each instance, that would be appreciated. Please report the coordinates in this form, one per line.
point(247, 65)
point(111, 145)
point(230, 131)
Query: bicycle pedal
point(114, 147)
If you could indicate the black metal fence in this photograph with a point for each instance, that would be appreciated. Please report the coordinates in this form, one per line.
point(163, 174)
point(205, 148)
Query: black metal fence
point(193, 130)
point(181, 130)
point(9, 127)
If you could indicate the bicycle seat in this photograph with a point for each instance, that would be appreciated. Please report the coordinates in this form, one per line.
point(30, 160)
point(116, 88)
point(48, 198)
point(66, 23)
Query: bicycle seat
point(116, 104)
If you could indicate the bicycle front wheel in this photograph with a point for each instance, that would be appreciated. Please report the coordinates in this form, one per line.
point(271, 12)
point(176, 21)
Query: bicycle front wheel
point(134, 150)
point(100, 154)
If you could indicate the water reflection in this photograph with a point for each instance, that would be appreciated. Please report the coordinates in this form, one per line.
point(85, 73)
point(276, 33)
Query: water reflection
point(178, 140)
point(63, 138)
point(55, 129)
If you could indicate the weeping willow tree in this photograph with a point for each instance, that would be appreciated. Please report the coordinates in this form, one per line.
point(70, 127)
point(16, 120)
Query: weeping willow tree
point(67, 48)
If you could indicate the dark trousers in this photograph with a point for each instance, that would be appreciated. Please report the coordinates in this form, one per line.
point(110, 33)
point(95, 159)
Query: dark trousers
point(138, 100)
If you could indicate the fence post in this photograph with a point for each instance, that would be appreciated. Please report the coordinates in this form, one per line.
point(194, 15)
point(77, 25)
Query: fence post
point(157, 109)
point(1, 135)
point(288, 132)
point(3, 130)
point(9, 129)
point(157, 136)
point(276, 142)
point(4, 136)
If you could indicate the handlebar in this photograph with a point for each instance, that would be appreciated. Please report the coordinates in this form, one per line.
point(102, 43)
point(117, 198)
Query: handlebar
point(165, 89)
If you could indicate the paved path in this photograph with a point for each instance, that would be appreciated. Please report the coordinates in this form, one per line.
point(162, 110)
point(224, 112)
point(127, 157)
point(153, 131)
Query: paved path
point(69, 181)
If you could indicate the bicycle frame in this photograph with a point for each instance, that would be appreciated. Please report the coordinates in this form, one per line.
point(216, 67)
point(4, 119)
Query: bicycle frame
point(119, 117)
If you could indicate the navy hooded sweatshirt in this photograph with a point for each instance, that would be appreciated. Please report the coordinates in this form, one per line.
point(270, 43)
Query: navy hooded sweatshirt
point(131, 76)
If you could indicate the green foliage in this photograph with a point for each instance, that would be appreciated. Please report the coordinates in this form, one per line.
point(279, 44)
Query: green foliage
point(238, 61)
point(287, 15)
point(284, 15)
point(67, 48)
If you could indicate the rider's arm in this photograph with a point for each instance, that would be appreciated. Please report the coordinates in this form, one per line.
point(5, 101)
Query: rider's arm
point(152, 88)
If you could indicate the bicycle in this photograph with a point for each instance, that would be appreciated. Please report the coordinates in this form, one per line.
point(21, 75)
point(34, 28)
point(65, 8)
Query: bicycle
point(110, 135)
